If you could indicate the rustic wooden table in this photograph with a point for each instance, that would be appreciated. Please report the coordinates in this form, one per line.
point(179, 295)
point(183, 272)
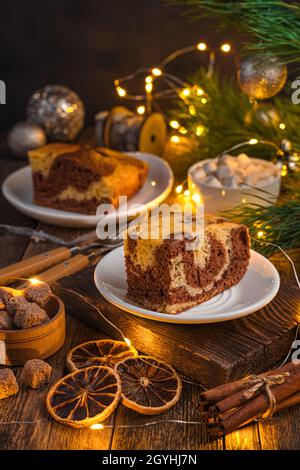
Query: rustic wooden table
point(281, 432)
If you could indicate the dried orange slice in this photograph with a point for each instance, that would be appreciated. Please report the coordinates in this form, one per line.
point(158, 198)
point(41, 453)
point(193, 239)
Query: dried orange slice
point(100, 352)
point(148, 386)
point(84, 397)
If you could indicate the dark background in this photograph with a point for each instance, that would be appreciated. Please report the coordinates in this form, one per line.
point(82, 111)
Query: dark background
point(85, 44)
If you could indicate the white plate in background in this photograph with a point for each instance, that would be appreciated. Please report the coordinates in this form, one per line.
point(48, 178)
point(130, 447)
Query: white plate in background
point(17, 189)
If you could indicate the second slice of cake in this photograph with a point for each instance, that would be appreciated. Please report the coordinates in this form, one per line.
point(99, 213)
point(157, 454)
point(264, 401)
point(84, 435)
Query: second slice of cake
point(79, 178)
point(165, 276)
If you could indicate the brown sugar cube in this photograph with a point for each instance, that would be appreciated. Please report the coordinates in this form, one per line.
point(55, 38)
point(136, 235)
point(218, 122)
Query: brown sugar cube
point(16, 304)
point(39, 293)
point(36, 373)
point(30, 314)
point(8, 383)
point(6, 321)
point(6, 293)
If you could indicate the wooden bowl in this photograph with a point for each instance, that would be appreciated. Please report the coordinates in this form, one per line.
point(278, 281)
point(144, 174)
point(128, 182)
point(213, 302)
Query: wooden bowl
point(39, 342)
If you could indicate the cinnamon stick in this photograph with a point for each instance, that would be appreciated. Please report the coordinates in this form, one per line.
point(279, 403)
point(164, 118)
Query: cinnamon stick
point(236, 409)
point(239, 397)
point(288, 402)
point(216, 394)
point(259, 405)
point(222, 392)
point(215, 428)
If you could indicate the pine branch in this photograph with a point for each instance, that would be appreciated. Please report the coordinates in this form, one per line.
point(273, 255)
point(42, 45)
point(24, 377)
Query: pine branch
point(279, 224)
point(272, 27)
point(224, 118)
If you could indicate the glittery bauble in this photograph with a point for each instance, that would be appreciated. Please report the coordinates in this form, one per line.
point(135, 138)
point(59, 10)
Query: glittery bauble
point(25, 136)
point(261, 78)
point(58, 110)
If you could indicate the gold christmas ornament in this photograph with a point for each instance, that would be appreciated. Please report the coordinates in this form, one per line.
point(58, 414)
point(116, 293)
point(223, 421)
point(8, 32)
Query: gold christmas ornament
point(261, 78)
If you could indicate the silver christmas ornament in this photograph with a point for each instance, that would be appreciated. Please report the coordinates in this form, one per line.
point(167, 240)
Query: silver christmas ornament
point(267, 115)
point(286, 145)
point(261, 78)
point(58, 110)
point(287, 158)
point(25, 136)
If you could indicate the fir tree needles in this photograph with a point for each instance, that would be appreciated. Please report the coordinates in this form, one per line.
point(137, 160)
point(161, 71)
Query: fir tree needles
point(272, 27)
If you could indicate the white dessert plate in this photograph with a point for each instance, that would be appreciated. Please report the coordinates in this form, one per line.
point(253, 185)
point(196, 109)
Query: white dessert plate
point(17, 189)
point(257, 288)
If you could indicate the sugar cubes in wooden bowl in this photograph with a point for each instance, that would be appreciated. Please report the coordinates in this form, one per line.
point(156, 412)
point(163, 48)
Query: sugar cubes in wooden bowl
point(32, 323)
point(228, 181)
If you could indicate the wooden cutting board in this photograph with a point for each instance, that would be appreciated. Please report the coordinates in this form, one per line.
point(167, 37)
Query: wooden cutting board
point(210, 354)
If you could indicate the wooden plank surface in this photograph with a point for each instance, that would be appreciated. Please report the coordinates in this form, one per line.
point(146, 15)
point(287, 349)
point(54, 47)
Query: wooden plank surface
point(282, 432)
point(211, 354)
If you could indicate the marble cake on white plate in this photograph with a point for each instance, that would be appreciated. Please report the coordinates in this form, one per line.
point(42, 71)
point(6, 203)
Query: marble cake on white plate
point(165, 276)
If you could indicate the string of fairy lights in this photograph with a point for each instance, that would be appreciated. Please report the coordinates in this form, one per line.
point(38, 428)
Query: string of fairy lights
point(175, 87)
point(178, 88)
point(101, 426)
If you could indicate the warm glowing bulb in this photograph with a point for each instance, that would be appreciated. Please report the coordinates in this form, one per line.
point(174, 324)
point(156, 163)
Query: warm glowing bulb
point(175, 139)
point(121, 91)
point(201, 46)
point(244, 200)
point(197, 198)
point(179, 189)
point(223, 193)
point(141, 109)
point(187, 193)
point(96, 426)
point(225, 47)
point(156, 71)
point(186, 92)
point(127, 341)
point(148, 79)
point(260, 234)
point(200, 92)
point(253, 141)
point(203, 100)
point(174, 124)
point(149, 87)
point(284, 170)
point(153, 183)
point(182, 130)
point(34, 282)
point(282, 126)
point(199, 130)
point(192, 110)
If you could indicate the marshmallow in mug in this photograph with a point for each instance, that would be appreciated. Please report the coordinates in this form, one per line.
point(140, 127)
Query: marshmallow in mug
point(235, 172)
